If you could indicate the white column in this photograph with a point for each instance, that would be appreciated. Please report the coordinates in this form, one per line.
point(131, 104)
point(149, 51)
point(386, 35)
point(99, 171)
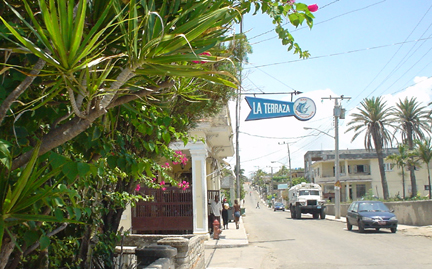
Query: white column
point(199, 188)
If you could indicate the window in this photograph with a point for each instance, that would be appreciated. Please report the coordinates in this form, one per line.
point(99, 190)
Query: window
point(361, 168)
point(308, 192)
point(388, 167)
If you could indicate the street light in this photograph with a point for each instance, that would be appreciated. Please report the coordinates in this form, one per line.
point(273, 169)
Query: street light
point(337, 188)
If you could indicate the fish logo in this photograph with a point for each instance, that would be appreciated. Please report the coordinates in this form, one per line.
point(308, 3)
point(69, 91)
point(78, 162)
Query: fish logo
point(304, 108)
point(301, 108)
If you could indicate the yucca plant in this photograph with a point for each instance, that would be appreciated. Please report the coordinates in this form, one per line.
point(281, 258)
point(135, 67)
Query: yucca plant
point(26, 197)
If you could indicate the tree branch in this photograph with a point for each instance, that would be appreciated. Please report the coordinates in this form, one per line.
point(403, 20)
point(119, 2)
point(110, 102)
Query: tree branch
point(13, 96)
point(74, 127)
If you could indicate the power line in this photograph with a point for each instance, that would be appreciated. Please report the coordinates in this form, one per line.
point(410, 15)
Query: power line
point(281, 138)
point(399, 64)
point(305, 27)
point(271, 30)
point(341, 53)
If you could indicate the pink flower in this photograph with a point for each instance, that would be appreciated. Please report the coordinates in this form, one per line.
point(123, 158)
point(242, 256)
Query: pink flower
point(162, 183)
point(163, 188)
point(291, 2)
point(201, 62)
point(138, 187)
point(313, 8)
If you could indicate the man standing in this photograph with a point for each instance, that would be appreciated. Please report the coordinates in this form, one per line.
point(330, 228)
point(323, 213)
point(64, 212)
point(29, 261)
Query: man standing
point(215, 210)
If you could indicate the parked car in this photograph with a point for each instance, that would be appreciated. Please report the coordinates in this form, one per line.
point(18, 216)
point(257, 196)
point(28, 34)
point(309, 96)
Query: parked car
point(279, 206)
point(370, 215)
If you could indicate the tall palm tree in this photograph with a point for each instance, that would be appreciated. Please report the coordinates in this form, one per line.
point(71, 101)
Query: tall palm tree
point(413, 123)
point(373, 119)
point(423, 151)
point(401, 160)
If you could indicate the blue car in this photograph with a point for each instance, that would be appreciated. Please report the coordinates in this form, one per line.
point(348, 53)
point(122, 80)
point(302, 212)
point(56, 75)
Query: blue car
point(370, 215)
point(279, 206)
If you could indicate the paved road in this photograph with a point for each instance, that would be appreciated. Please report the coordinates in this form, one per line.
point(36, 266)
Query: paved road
point(277, 241)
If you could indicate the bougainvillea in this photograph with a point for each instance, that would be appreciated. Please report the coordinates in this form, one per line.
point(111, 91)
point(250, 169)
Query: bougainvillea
point(184, 185)
point(181, 157)
point(313, 8)
point(202, 62)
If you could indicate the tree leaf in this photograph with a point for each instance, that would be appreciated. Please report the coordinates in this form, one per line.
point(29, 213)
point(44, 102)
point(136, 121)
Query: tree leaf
point(44, 241)
point(83, 168)
point(70, 170)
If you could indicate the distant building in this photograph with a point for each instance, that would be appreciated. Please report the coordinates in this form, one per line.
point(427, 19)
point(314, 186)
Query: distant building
point(359, 173)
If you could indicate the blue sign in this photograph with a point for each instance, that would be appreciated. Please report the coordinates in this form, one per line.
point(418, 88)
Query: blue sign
point(303, 108)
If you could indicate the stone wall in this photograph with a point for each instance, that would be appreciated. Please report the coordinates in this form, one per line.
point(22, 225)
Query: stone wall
point(190, 250)
point(416, 213)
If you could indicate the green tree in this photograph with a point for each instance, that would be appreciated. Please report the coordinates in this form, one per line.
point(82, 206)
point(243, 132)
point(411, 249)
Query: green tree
point(373, 119)
point(423, 152)
point(105, 86)
point(413, 124)
point(401, 160)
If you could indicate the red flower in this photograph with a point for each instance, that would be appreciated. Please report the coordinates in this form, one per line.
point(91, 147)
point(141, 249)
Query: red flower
point(202, 62)
point(138, 187)
point(313, 8)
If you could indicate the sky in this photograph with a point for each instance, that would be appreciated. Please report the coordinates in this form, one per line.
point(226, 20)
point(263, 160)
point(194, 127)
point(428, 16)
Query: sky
point(359, 49)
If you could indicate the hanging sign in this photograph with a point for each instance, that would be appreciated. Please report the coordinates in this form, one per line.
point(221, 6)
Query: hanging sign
point(303, 108)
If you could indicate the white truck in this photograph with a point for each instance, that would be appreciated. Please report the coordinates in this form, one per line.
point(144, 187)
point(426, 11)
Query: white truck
point(306, 198)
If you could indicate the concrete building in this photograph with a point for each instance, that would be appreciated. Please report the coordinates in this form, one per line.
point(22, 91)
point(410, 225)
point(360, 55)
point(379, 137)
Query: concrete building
point(175, 210)
point(359, 173)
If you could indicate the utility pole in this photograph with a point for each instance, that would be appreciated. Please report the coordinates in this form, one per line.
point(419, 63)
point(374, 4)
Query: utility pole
point(237, 131)
point(289, 162)
point(338, 112)
point(271, 184)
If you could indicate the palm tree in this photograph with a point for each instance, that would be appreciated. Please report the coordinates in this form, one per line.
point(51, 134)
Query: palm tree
point(423, 152)
point(413, 124)
point(401, 160)
point(373, 118)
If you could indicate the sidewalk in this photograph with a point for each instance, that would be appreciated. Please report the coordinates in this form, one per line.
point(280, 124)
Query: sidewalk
point(230, 238)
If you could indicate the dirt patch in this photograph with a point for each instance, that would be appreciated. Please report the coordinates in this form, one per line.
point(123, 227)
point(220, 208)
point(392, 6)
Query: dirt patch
point(425, 231)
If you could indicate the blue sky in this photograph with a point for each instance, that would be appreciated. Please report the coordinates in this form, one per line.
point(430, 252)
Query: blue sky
point(358, 49)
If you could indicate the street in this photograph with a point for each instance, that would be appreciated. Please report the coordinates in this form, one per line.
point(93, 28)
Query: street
point(277, 241)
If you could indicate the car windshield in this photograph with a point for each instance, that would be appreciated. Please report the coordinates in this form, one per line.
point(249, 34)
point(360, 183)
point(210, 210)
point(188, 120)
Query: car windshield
point(278, 204)
point(308, 192)
point(372, 207)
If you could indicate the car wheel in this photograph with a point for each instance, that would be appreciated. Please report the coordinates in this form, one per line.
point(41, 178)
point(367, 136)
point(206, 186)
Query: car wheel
point(298, 212)
point(349, 226)
point(322, 213)
point(315, 215)
point(393, 230)
point(377, 229)
point(361, 227)
point(293, 216)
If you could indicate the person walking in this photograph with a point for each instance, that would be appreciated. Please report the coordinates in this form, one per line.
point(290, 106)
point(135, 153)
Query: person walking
point(225, 207)
point(215, 210)
point(236, 213)
point(258, 205)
